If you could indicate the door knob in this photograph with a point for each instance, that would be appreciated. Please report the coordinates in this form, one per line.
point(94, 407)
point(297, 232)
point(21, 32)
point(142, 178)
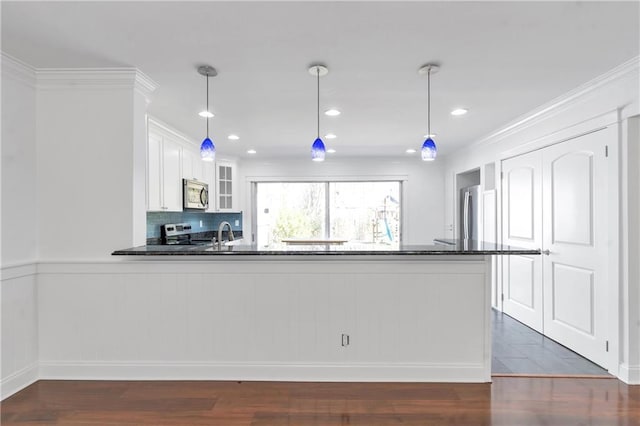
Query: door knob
point(546, 252)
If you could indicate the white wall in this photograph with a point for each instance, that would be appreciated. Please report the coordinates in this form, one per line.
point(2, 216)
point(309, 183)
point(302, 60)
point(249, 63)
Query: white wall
point(18, 291)
point(73, 184)
point(90, 162)
point(631, 240)
point(423, 186)
point(139, 165)
point(19, 206)
point(609, 100)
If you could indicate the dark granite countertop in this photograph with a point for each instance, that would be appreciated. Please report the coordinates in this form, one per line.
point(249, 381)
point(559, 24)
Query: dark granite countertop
point(452, 247)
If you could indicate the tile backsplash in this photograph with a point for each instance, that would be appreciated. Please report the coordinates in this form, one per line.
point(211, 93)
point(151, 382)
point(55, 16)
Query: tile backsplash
point(210, 221)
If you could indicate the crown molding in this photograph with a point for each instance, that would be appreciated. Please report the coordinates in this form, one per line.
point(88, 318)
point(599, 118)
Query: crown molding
point(78, 78)
point(144, 84)
point(561, 103)
point(18, 69)
point(169, 130)
point(94, 78)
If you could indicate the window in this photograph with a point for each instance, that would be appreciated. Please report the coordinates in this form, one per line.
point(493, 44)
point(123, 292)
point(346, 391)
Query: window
point(366, 213)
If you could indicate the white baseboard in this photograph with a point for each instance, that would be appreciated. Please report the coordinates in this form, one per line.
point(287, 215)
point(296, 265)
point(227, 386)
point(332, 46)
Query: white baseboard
point(18, 380)
point(462, 373)
point(629, 374)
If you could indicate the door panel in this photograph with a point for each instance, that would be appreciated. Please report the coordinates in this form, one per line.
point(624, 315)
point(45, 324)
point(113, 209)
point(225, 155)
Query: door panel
point(522, 227)
point(521, 280)
point(572, 297)
point(520, 185)
point(575, 271)
point(571, 191)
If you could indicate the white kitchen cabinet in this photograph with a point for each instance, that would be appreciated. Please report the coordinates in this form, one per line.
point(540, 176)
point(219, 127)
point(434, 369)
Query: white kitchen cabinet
point(172, 182)
point(164, 171)
point(192, 164)
point(225, 186)
point(154, 173)
point(172, 157)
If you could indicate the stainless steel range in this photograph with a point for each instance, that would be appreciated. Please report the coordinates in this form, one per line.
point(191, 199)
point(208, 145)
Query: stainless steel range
point(176, 233)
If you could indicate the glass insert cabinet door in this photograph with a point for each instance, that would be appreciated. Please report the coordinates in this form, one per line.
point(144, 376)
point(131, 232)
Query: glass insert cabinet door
point(225, 187)
point(363, 214)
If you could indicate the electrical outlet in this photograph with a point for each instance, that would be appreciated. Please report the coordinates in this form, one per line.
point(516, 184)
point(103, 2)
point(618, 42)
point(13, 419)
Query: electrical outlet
point(345, 339)
point(200, 224)
point(237, 222)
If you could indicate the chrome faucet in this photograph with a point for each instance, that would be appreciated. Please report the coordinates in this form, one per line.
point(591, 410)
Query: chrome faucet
point(220, 229)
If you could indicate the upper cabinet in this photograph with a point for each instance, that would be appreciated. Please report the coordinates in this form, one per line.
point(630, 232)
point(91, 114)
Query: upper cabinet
point(164, 184)
point(192, 166)
point(226, 182)
point(170, 158)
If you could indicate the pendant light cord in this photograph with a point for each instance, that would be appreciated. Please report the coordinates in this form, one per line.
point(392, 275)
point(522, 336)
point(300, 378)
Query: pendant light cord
point(429, 103)
point(208, 106)
point(318, 99)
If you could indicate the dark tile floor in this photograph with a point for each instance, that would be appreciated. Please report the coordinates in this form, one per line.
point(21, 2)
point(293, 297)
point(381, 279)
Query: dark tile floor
point(517, 349)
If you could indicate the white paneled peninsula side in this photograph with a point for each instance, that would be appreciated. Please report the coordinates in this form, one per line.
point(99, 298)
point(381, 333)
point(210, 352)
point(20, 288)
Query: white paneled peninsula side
point(420, 313)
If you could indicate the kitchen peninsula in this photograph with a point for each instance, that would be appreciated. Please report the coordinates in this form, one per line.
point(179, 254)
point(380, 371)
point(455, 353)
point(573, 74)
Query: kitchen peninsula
point(315, 313)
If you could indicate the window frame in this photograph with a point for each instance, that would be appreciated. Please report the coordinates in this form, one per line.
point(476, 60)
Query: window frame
point(254, 199)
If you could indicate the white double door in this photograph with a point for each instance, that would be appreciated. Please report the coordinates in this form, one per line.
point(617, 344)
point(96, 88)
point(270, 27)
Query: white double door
point(556, 199)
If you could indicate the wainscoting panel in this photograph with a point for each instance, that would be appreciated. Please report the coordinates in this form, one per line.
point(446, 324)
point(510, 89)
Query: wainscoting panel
point(277, 320)
point(19, 328)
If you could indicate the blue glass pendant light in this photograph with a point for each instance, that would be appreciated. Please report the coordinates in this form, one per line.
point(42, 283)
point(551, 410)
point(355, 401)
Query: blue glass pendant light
point(429, 150)
point(207, 148)
point(318, 150)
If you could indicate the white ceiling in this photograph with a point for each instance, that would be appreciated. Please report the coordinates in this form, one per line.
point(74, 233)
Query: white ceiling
point(499, 59)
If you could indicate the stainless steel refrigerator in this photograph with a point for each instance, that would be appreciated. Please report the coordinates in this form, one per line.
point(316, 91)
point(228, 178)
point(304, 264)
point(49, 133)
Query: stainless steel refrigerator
point(469, 213)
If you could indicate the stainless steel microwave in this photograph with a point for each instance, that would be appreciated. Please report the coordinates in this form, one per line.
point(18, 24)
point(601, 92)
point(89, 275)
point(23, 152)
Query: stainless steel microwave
point(195, 194)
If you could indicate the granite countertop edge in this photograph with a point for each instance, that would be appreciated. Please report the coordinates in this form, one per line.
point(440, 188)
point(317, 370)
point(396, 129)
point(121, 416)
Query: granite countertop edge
point(315, 250)
point(308, 253)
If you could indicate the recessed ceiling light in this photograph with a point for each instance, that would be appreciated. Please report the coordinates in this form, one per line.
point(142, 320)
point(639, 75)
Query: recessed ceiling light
point(251, 151)
point(459, 111)
point(330, 136)
point(432, 135)
point(205, 114)
point(410, 151)
point(233, 137)
point(332, 112)
point(331, 151)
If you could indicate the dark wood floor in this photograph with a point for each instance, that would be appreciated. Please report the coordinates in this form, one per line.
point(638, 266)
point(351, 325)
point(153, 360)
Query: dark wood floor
point(518, 349)
point(508, 401)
